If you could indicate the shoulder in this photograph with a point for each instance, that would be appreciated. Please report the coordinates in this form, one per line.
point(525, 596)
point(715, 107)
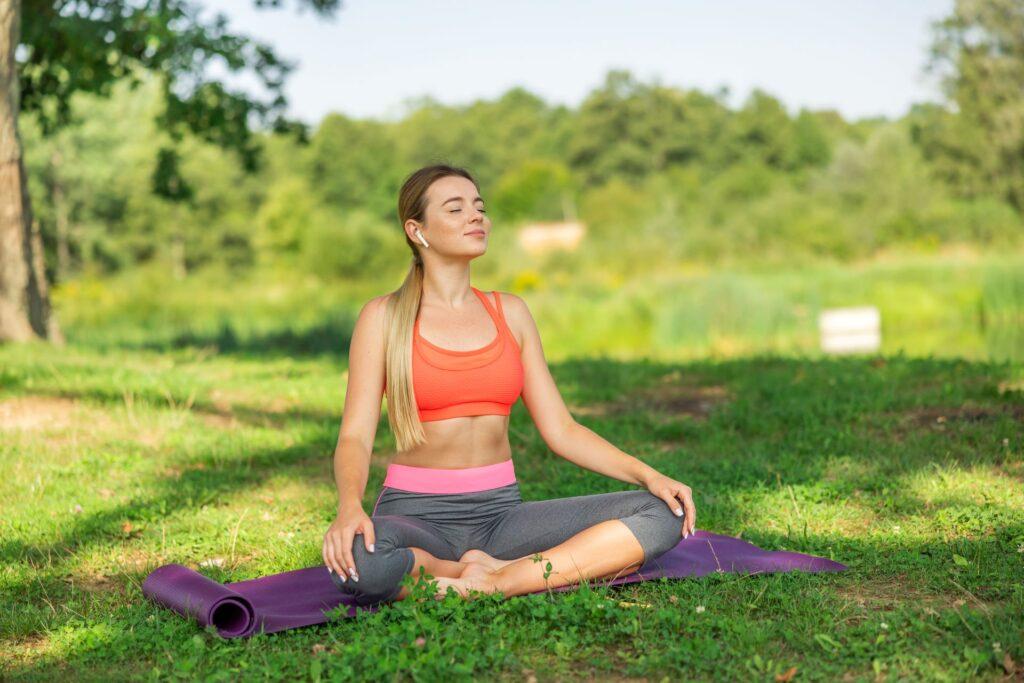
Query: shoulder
point(518, 316)
point(513, 303)
point(378, 303)
point(373, 312)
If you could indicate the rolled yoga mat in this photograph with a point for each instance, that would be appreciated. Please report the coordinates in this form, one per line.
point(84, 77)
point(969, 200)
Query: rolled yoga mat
point(301, 597)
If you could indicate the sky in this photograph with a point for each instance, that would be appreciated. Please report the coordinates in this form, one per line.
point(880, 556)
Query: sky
point(863, 58)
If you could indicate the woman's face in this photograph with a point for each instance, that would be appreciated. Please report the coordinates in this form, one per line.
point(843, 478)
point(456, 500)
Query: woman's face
point(455, 221)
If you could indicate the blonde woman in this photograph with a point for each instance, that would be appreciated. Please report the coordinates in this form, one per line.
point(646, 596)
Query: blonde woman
point(452, 361)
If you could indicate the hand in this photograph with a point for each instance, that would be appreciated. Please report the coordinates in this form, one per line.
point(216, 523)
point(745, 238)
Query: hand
point(672, 491)
point(337, 550)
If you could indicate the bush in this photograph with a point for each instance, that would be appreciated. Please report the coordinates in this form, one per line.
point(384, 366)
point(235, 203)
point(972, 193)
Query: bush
point(353, 245)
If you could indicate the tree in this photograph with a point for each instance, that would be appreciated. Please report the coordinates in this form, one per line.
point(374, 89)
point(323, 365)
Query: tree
point(979, 51)
point(632, 129)
point(50, 49)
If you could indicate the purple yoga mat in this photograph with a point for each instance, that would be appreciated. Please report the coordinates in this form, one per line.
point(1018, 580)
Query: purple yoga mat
point(300, 597)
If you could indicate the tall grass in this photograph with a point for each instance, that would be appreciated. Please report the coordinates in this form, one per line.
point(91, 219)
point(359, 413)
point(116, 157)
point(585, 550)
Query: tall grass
point(943, 307)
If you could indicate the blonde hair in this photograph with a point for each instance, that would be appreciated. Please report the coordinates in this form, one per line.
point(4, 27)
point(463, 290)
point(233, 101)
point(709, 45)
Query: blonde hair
point(402, 308)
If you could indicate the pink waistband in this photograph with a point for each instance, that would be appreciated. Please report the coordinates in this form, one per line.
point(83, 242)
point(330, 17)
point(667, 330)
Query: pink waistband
point(462, 480)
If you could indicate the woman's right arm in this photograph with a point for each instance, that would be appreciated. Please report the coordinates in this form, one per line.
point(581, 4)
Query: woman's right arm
point(360, 415)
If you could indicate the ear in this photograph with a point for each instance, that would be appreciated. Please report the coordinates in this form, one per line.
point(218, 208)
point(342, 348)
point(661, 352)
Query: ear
point(410, 228)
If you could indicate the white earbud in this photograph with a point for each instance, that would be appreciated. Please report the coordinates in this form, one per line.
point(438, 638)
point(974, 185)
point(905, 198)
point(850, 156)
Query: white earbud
point(420, 235)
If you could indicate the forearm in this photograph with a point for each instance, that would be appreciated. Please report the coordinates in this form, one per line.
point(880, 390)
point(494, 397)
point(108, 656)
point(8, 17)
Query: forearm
point(351, 471)
point(587, 449)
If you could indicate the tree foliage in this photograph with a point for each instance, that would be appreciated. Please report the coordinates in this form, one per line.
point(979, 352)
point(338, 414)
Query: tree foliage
point(656, 173)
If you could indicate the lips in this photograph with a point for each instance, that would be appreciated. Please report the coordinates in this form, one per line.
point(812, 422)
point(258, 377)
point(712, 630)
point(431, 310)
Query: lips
point(477, 232)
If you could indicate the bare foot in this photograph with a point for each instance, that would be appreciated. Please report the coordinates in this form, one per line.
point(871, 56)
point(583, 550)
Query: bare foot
point(480, 557)
point(463, 586)
point(474, 570)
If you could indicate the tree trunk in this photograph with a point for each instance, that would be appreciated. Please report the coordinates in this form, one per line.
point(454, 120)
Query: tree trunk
point(24, 296)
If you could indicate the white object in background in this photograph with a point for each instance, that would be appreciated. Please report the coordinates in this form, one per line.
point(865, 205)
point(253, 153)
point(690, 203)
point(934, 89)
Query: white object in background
point(849, 330)
point(540, 237)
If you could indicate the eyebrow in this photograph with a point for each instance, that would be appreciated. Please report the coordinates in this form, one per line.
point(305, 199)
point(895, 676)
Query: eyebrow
point(478, 198)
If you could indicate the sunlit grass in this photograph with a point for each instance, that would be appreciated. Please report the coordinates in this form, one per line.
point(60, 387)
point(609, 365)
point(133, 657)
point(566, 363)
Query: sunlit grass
point(954, 305)
point(118, 461)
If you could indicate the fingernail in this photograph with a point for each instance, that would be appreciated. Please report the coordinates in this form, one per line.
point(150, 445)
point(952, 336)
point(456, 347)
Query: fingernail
point(352, 571)
point(371, 547)
point(679, 512)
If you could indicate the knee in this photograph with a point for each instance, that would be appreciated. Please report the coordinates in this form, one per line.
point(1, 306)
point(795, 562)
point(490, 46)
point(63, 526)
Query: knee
point(657, 528)
point(380, 572)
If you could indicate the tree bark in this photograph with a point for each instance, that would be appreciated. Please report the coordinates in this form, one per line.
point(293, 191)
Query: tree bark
point(24, 296)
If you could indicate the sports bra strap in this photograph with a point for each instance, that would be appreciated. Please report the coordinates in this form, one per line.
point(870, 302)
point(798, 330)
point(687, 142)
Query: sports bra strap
point(496, 315)
point(497, 298)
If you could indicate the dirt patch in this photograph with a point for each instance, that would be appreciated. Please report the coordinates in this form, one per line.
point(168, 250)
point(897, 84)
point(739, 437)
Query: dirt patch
point(60, 420)
point(94, 583)
point(223, 401)
point(221, 413)
point(892, 592)
point(939, 417)
point(21, 650)
point(670, 395)
point(230, 408)
point(217, 419)
point(32, 413)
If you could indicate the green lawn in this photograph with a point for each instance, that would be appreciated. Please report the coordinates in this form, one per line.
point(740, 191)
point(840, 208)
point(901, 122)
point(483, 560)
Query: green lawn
point(908, 470)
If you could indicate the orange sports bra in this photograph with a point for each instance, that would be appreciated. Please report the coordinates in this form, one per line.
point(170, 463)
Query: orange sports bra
point(483, 381)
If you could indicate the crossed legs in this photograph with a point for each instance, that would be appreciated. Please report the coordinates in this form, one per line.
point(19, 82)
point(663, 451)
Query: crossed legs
point(584, 556)
point(581, 537)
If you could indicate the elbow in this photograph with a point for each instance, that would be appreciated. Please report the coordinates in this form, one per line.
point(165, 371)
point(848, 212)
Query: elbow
point(562, 434)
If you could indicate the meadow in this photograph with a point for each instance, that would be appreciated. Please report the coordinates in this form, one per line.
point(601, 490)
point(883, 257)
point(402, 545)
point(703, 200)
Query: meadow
point(196, 423)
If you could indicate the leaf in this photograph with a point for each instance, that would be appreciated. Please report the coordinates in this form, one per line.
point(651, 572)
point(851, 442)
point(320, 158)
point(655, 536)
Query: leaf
point(825, 640)
point(960, 561)
point(787, 676)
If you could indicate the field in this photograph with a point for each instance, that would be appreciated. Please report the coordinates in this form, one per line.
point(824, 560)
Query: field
point(206, 438)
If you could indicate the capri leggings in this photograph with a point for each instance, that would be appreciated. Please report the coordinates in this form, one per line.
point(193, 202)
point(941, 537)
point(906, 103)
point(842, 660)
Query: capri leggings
point(447, 512)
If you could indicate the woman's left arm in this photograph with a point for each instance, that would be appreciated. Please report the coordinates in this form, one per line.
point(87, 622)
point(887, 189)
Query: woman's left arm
point(571, 440)
point(584, 447)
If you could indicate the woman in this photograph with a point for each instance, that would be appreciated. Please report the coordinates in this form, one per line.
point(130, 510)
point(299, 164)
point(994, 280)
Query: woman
point(452, 361)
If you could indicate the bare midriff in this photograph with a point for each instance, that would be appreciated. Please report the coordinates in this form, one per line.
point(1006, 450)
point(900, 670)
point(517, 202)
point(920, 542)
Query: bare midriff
point(457, 442)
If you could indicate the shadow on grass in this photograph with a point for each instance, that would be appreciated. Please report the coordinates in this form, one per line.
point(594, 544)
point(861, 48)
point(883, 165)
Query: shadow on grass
point(253, 417)
point(911, 579)
point(200, 481)
point(786, 423)
point(329, 338)
point(770, 428)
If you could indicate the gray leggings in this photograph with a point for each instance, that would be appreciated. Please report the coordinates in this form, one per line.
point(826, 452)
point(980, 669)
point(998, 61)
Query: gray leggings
point(496, 521)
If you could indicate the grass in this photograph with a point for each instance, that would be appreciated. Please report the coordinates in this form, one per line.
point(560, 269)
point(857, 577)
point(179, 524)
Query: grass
point(960, 304)
point(908, 470)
